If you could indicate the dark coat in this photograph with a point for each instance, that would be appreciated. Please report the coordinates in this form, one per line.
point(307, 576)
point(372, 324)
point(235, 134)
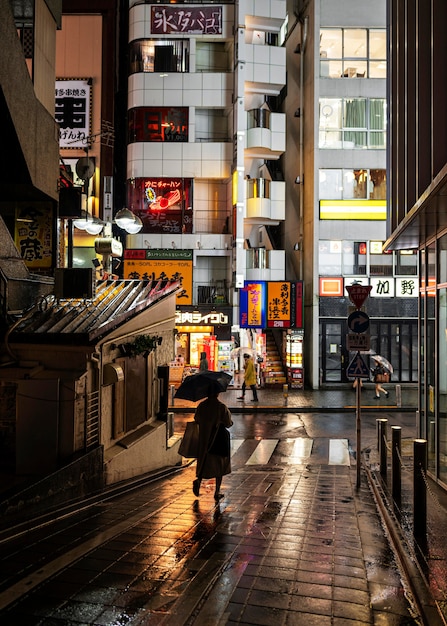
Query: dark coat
point(209, 414)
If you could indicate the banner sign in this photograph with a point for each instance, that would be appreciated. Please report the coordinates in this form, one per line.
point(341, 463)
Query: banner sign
point(252, 305)
point(73, 112)
point(174, 264)
point(34, 234)
point(278, 304)
point(203, 20)
point(271, 304)
point(297, 304)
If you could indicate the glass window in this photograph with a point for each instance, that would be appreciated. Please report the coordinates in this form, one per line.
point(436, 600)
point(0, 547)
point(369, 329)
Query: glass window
point(347, 184)
point(406, 262)
point(213, 56)
point(352, 123)
point(212, 125)
point(379, 264)
point(330, 258)
point(442, 260)
point(354, 258)
point(158, 124)
point(331, 184)
point(159, 55)
point(352, 53)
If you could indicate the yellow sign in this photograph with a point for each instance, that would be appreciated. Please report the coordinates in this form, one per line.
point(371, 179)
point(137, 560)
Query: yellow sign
point(173, 269)
point(352, 210)
point(278, 304)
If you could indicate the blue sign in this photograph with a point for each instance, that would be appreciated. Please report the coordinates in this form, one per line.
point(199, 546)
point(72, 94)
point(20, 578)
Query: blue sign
point(357, 368)
point(358, 322)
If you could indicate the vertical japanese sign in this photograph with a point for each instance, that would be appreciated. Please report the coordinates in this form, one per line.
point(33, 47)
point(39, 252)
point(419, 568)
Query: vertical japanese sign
point(297, 304)
point(33, 235)
point(278, 304)
point(73, 111)
point(252, 305)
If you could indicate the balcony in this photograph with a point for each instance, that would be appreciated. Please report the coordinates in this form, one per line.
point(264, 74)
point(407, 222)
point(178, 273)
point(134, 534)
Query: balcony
point(265, 69)
point(266, 134)
point(262, 264)
point(266, 201)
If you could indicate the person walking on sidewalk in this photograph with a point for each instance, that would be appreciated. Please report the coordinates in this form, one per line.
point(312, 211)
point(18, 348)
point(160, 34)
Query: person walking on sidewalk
point(209, 415)
point(249, 378)
point(203, 365)
point(380, 375)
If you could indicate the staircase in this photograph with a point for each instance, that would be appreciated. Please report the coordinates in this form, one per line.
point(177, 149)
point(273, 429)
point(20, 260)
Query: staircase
point(274, 375)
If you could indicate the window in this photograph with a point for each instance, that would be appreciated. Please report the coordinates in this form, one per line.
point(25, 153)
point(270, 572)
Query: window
point(159, 55)
point(213, 56)
point(342, 258)
point(348, 184)
point(405, 262)
point(352, 123)
point(380, 264)
point(212, 125)
point(158, 124)
point(352, 53)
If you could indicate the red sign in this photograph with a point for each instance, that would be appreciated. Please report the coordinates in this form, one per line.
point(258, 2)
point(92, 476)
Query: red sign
point(358, 294)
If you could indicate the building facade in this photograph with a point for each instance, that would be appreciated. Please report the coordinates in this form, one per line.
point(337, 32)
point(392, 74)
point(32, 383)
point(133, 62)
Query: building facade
point(416, 189)
point(337, 123)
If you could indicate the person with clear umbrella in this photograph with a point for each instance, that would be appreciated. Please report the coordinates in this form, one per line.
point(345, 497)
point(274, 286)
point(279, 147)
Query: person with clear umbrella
point(381, 374)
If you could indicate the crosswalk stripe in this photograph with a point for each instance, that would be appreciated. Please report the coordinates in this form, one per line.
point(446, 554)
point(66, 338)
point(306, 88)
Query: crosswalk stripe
point(339, 452)
point(301, 450)
point(263, 452)
point(235, 445)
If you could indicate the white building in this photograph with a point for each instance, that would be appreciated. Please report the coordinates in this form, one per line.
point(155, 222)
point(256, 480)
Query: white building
point(336, 151)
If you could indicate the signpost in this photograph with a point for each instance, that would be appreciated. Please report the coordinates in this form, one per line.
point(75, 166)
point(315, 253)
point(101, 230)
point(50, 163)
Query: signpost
point(358, 339)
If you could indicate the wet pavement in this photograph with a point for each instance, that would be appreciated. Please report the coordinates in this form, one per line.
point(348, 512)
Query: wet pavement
point(289, 544)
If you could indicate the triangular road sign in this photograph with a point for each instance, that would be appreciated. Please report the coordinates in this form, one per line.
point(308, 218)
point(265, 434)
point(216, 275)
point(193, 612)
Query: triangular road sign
point(358, 368)
point(358, 294)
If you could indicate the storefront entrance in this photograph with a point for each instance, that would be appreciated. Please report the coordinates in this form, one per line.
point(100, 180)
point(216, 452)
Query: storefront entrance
point(395, 340)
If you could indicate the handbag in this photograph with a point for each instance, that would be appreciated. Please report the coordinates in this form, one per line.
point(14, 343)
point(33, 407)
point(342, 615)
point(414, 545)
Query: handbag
point(382, 378)
point(189, 446)
point(220, 446)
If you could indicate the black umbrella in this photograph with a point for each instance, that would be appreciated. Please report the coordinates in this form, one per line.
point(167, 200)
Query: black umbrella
point(202, 384)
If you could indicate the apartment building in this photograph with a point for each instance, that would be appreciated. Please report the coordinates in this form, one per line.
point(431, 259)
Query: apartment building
point(205, 138)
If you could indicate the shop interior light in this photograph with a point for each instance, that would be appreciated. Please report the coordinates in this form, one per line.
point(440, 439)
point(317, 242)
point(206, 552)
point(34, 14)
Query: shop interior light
point(82, 222)
point(95, 226)
point(124, 217)
point(135, 226)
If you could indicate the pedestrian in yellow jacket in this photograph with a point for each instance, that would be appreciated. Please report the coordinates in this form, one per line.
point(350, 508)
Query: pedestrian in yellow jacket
point(249, 378)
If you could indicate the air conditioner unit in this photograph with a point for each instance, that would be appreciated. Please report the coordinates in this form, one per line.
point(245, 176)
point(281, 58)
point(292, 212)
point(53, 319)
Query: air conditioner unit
point(74, 282)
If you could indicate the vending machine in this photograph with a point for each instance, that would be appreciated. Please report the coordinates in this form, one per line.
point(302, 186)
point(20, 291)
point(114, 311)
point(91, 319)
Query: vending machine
point(225, 362)
point(294, 358)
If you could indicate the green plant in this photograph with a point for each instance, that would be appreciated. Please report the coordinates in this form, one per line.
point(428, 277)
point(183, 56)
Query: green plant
point(142, 344)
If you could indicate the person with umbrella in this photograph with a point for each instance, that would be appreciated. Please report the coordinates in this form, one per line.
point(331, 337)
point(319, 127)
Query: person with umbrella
point(380, 374)
point(213, 418)
point(211, 415)
point(249, 378)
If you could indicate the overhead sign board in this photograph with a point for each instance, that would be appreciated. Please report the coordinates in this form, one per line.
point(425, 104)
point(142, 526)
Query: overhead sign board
point(358, 293)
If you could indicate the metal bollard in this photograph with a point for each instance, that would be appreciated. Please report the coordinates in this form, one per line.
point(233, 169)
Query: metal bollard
point(170, 425)
point(381, 444)
point(396, 469)
point(420, 488)
point(398, 395)
point(285, 393)
point(172, 394)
